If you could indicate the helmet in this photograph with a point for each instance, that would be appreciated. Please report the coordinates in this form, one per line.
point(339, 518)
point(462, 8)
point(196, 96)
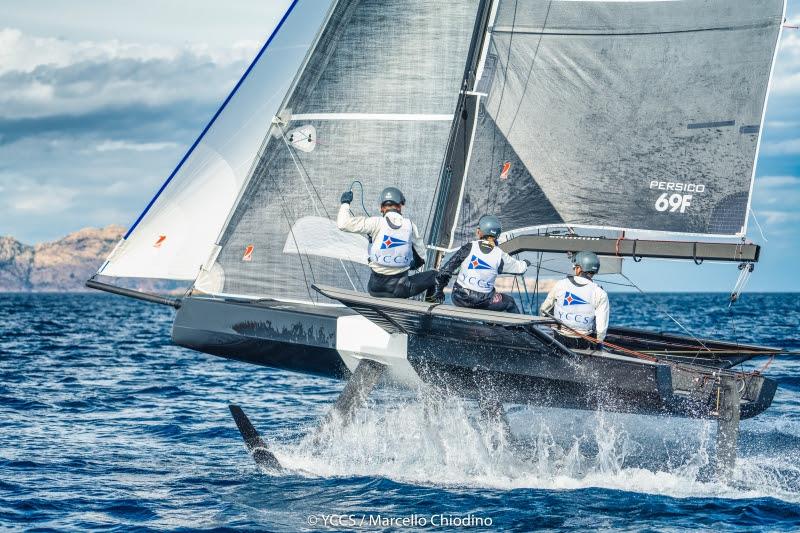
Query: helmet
point(588, 261)
point(490, 225)
point(392, 195)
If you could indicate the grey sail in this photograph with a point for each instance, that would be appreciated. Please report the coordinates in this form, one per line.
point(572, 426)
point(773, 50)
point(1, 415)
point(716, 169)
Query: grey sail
point(618, 114)
point(373, 102)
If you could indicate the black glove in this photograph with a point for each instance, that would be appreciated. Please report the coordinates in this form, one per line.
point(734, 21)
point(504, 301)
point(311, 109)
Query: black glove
point(416, 261)
point(438, 296)
point(347, 197)
point(527, 263)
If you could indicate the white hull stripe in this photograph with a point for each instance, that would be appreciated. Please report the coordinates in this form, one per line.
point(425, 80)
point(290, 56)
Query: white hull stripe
point(385, 117)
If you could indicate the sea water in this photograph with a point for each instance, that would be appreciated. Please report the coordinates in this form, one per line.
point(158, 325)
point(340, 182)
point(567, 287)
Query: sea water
point(104, 424)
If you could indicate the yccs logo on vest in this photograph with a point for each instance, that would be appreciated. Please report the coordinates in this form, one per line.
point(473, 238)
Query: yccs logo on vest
point(477, 264)
point(573, 299)
point(391, 242)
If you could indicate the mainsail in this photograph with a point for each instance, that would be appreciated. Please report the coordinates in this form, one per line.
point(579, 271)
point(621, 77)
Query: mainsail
point(641, 115)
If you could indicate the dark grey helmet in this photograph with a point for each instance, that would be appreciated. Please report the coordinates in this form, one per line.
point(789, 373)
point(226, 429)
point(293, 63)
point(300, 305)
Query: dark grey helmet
point(490, 225)
point(392, 195)
point(588, 261)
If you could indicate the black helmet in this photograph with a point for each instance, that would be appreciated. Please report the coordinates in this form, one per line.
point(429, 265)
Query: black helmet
point(490, 225)
point(392, 195)
point(588, 261)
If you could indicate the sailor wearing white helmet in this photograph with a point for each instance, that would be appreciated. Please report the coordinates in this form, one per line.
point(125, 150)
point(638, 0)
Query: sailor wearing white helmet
point(579, 304)
point(395, 247)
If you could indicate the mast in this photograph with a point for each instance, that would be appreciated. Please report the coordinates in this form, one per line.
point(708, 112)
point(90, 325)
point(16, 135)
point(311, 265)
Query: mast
point(456, 160)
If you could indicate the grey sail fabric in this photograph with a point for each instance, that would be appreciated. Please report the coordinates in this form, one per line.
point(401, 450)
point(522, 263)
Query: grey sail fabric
point(373, 102)
point(620, 114)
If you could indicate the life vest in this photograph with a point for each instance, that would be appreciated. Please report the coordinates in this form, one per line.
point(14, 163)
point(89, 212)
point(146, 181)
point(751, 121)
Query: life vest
point(574, 306)
point(393, 248)
point(479, 270)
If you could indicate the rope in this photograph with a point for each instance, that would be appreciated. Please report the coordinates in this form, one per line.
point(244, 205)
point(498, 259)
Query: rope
point(363, 205)
point(306, 179)
point(758, 225)
point(502, 95)
point(595, 340)
point(745, 270)
point(660, 308)
point(530, 70)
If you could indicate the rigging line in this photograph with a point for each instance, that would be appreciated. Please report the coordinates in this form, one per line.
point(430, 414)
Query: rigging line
point(758, 225)
point(531, 310)
point(536, 287)
point(530, 70)
point(297, 247)
point(300, 254)
point(316, 209)
point(605, 281)
point(661, 309)
point(502, 95)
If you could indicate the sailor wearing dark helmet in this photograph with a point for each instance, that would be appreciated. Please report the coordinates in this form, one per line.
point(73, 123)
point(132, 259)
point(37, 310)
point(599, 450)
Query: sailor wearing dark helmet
point(579, 304)
point(478, 264)
point(395, 247)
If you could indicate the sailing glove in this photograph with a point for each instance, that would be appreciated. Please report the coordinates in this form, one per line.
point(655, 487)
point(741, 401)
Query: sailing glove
point(347, 197)
point(527, 263)
point(438, 296)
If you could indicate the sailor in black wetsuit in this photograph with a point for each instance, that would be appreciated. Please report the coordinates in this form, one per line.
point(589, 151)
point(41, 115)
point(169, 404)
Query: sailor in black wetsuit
point(478, 263)
point(395, 247)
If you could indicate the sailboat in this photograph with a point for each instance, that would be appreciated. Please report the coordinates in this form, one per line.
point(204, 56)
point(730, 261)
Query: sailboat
point(626, 127)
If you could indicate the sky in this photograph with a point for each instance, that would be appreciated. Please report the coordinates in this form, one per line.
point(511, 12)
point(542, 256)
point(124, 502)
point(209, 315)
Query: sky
point(100, 99)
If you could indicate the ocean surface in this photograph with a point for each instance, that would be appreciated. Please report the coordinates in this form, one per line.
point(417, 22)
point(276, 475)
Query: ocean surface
point(105, 425)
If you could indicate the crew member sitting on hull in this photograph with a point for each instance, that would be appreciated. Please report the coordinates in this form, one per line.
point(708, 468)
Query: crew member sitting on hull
point(395, 247)
point(479, 263)
point(579, 304)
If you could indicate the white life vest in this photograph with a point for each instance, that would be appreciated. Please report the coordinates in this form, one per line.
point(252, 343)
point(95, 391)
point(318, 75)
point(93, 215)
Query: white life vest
point(574, 305)
point(479, 270)
point(394, 249)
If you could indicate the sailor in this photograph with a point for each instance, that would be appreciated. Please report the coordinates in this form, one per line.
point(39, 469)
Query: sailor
point(579, 304)
point(395, 247)
point(478, 264)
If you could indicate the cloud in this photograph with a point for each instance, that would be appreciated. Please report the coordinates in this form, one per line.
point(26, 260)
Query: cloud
point(771, 182)
point(44, 77)
point(76, 118)
point(37, 198)
point(775, 201)
point(786, 147)
point(778, 218)
point(108, 146)
point(786, 79)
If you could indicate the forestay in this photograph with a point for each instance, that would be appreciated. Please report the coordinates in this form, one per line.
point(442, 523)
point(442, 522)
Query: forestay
point(373, 101)
point(617, 114)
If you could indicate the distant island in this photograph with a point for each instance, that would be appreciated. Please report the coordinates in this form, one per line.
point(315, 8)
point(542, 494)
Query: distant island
point(63, 265)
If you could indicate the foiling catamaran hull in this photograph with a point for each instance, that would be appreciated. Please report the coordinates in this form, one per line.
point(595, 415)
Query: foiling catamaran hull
point(473, 354)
